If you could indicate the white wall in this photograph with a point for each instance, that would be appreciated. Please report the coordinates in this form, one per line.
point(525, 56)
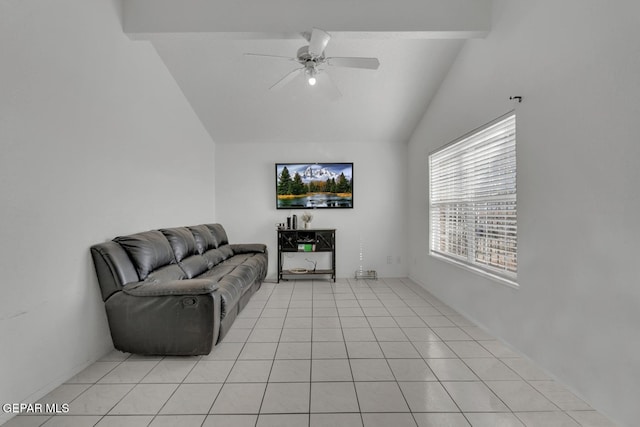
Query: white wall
point(96, 141)
point(246, 205)
point(577, 65)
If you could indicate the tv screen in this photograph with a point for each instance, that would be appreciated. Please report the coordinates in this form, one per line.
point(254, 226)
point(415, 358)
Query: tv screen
point(314, 185)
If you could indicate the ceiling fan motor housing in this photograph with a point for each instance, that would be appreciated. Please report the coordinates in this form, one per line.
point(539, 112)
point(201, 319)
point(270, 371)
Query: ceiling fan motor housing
point(304, 56)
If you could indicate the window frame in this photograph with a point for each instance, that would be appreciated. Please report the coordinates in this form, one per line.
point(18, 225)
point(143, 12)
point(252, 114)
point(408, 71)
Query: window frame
point(470, 227)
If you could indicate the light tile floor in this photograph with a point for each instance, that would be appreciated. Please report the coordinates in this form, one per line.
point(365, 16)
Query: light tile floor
point(318, 354)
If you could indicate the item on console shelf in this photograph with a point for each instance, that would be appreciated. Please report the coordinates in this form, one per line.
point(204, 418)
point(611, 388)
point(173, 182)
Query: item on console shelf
point(306, 247)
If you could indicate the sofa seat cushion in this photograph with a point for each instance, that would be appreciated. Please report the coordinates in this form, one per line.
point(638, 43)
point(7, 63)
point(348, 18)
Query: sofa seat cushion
point(245, 275)
point(238, 259)
point(257, 261)
point(167, 273)
point(233, 281)
point(218, 272)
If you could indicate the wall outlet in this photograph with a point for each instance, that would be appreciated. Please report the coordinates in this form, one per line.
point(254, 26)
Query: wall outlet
point(389, 259)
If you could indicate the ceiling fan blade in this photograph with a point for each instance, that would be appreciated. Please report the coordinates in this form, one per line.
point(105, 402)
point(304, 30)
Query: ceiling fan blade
point(366, 63)
point(271, 56)
point(318, 42)
point(286, 79)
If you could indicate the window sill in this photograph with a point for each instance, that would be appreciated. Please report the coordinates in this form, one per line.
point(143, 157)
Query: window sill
point(493, 277)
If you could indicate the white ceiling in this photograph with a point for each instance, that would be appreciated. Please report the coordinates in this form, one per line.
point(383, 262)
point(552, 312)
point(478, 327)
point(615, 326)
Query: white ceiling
point(230, 91)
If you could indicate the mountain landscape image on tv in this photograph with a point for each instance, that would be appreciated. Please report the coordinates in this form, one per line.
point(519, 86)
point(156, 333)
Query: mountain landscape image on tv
point(314, 185)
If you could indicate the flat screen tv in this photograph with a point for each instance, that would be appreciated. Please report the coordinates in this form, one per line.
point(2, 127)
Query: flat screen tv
point(314, 185)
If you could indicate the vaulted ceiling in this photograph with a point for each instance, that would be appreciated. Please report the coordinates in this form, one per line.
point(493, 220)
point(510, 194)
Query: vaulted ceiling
point(203, 43)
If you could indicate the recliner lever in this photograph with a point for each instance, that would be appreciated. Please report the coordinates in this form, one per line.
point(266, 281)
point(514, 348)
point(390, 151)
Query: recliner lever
point(190, 302)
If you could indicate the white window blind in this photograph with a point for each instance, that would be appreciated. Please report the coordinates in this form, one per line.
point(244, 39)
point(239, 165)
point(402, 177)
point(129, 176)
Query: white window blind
point(472, 199)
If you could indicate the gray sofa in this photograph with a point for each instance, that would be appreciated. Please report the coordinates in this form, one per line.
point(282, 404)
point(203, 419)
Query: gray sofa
point(176, 291)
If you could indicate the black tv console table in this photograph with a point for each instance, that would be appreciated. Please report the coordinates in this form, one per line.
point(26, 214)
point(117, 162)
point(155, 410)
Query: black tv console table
point(307, 241)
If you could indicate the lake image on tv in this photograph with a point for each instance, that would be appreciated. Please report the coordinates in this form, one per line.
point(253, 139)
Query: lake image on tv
point(328, 185)
point(316, 200)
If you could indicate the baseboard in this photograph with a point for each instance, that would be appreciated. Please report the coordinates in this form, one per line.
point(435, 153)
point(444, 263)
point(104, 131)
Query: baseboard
point(417, 282)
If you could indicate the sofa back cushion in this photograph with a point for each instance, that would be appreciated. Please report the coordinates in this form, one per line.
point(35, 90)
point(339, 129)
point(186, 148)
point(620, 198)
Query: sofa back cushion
point(219, 234)
point(203, 237)
point(148, 251)
point(184, 247)
point(181, 240)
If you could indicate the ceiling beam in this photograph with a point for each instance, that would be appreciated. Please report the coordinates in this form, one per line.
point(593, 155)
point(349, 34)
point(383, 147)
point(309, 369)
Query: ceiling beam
point(284, 19)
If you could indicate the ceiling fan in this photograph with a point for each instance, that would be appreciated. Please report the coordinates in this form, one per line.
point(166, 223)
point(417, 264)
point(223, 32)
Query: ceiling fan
point(312, 60)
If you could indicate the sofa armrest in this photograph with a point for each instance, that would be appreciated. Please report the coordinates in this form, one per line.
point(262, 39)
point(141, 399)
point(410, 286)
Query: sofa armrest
point(152, 288)
point(248, 248)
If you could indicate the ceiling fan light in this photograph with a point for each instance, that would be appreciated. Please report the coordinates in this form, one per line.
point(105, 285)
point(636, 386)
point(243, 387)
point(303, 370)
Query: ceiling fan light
point(312, 81)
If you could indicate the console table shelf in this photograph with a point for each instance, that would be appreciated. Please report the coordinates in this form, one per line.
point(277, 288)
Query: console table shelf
point(307, 241)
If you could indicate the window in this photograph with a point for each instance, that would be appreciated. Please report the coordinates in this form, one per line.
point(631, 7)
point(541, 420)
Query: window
point(472, 200)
